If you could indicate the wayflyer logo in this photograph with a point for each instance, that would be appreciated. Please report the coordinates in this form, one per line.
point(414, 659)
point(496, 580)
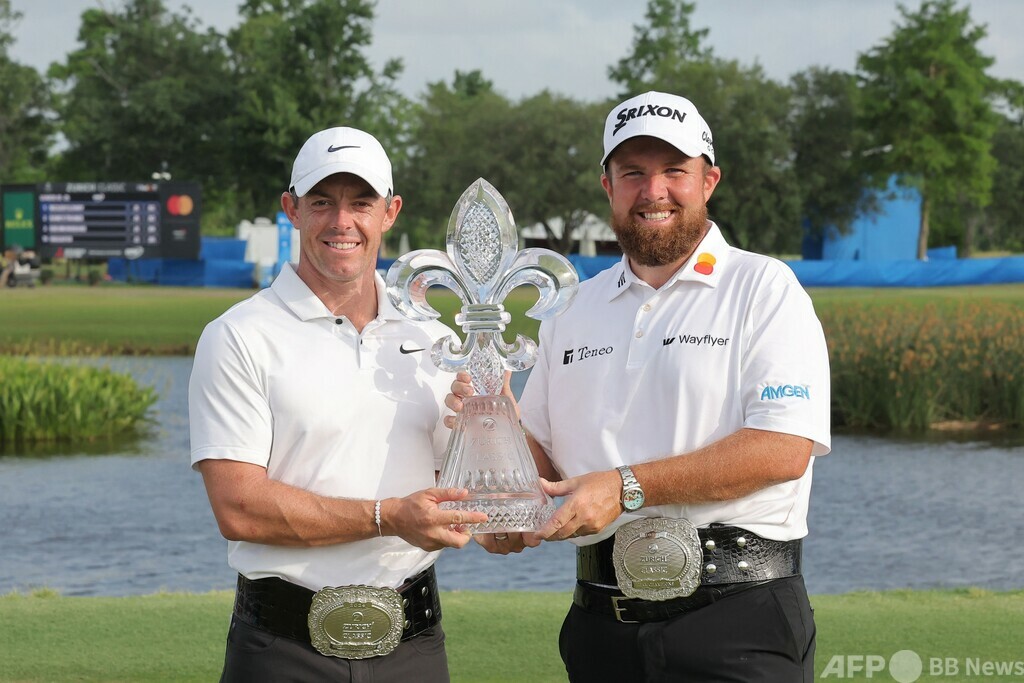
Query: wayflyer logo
point(907, 666)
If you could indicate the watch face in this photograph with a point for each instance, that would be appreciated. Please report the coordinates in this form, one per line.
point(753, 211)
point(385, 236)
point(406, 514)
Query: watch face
point(632, 499)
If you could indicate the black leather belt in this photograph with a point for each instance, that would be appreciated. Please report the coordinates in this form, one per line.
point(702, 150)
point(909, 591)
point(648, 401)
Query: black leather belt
point(282, 608)
point(734, 560)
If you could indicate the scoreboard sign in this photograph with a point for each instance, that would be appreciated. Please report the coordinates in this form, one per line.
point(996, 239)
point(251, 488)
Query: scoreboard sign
point(105, 220)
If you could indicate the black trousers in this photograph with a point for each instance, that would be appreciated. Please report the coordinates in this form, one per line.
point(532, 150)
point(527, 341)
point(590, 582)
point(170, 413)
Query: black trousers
point(255, 656)
point(765, 633)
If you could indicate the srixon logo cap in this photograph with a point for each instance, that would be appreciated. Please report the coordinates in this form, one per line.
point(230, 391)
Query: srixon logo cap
point(659, 115)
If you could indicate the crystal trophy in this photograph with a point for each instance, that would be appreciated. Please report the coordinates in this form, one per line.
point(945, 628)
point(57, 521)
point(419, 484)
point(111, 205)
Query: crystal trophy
point(487, 452)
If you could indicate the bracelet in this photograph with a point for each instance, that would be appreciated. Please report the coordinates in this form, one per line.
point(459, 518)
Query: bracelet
point(376, 517)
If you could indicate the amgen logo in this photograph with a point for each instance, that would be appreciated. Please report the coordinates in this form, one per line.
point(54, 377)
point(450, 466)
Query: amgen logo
point(770, 393)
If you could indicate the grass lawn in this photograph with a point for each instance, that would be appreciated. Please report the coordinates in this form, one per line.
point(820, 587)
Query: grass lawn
point(143, 319)
point(491, 636)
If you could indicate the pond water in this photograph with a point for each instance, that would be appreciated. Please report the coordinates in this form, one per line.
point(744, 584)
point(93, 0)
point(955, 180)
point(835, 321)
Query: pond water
point(885, 513)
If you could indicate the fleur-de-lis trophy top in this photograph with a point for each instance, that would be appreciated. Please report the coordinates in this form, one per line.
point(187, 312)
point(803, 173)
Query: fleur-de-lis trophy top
point(487, 452)
point(482, 265)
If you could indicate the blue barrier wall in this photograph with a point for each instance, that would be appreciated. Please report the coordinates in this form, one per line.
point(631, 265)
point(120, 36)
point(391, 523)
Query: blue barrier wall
point(888, 235)
point(942, 269)
point(937, 273)
point(221, 264)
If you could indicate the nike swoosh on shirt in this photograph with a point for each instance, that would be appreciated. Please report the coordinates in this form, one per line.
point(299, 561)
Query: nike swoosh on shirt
point(332, 148)
point(402, 349)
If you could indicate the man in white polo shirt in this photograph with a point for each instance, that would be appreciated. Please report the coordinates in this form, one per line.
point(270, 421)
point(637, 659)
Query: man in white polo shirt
point(678, 406)
point(316, 424)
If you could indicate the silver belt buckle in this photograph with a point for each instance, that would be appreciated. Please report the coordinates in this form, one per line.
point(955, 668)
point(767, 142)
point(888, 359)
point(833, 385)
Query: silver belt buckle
point(657, 558)
point(356, 622)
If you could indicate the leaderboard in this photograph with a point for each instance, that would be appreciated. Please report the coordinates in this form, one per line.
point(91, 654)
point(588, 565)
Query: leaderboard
point(117, 219)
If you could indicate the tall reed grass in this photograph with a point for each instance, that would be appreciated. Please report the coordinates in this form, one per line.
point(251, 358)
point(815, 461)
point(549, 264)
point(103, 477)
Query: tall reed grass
point(53, 402)
point(907, 368)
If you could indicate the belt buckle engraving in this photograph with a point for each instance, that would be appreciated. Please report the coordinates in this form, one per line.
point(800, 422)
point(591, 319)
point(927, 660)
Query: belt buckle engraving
point(356, 622)
point(657, 558)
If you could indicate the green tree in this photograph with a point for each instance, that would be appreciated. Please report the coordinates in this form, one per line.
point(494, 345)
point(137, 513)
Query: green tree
point(300, 67)
point(146, 91)
point(25, 130)
point(550, 165)
point(927, 95)
point(458, 132)
point(663, 44)
point(757, 203)
point(829, 149)
point(1001, 226)
point(541, 153)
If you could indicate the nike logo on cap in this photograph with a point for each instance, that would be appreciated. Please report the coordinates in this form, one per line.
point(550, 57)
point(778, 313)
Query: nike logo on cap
point(332, 148)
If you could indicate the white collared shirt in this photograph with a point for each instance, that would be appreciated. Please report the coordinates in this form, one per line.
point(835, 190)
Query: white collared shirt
point(630, 374)
point(280, 382)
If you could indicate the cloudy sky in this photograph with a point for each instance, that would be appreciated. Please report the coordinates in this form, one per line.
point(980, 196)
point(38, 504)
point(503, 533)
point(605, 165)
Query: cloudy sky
point(524, 46)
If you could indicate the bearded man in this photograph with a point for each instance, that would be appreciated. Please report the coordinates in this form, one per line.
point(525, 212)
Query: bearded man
point(678, 406)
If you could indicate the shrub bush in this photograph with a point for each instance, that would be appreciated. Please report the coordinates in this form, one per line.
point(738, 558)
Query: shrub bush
point(50, 402)
point(906, 367)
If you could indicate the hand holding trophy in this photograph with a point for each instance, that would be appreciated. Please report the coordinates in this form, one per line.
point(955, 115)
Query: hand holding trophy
point(487, 452)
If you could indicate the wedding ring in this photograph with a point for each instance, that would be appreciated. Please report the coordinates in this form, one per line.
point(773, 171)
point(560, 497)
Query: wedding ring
point(500, 537)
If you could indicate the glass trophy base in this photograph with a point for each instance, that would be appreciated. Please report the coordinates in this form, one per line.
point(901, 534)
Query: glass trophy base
point(504, 514)
point(487, 454)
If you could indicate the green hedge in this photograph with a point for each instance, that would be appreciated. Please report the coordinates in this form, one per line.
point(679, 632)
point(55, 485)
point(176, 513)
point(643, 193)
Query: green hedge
point(52, 402)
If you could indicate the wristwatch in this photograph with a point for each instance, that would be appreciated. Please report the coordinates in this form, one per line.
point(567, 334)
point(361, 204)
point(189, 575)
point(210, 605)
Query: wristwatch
point(632, 494)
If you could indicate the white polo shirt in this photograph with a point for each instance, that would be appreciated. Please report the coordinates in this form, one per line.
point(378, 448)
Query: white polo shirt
point(280, 382)
point(630, 374)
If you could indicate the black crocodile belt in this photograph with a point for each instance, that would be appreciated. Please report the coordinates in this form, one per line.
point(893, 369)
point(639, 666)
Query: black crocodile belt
point(282, 608)
point(733, 560)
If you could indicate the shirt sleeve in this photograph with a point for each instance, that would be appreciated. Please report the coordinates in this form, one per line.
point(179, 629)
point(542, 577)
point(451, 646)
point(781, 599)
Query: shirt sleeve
point(785, 380)
point(229, 412)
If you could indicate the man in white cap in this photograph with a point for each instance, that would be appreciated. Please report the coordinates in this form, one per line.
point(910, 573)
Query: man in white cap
point(316, 424)
point(678, 407)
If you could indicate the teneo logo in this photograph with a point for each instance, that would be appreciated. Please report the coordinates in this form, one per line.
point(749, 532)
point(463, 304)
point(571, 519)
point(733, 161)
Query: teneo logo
point(770, 393)
point(705, 340)
point(626, 115)
point(584, 352)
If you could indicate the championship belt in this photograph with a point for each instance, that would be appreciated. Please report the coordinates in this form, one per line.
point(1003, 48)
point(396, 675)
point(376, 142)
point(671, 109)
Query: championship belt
point(657, 558)
point(356, 622)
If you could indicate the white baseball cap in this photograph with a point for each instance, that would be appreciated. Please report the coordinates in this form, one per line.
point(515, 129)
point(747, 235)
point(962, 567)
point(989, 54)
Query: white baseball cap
point(341, 150)
point(659, 115)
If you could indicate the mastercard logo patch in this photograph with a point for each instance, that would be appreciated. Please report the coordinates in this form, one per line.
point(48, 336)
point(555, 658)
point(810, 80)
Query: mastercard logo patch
point(705, 264)
point(180, 205)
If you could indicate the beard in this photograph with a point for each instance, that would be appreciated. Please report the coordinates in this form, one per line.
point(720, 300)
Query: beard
point(667, 244)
